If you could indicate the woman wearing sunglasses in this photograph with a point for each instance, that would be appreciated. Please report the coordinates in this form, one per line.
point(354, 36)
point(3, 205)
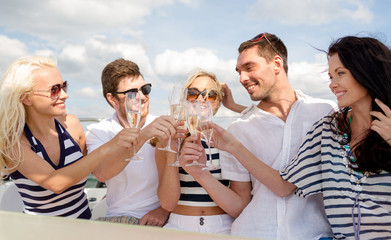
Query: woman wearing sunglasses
point(42, 147)
point(183, 191)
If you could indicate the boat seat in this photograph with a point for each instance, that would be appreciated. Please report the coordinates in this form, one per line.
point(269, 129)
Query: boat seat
point(10, 199)
point(95, 195)
point(99, 210)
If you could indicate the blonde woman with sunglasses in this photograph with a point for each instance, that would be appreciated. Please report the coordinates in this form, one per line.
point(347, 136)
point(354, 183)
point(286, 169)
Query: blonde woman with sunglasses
point(41, 147)
point(181, 190)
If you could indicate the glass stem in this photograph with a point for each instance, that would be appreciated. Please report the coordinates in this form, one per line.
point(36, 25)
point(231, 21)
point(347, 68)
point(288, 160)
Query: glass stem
point(169, 142)
point(210, 155)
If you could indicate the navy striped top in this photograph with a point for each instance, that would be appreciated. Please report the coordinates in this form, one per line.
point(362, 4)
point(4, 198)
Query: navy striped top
point(192, 193)
point(319, 168)
point(40, 201)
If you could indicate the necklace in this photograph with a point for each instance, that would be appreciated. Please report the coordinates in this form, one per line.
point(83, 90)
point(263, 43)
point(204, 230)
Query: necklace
point(348, 158)
point(345, 152)
point(349, 161)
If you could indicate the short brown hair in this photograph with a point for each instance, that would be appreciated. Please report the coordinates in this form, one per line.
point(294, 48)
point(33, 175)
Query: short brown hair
point(115, 71)
point(267, 51)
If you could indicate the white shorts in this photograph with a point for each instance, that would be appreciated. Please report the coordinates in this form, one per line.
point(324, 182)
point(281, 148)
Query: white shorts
point(220, 224)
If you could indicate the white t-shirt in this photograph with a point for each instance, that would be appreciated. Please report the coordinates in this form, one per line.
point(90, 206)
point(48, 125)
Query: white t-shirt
point(133, 192)
point(276, 143)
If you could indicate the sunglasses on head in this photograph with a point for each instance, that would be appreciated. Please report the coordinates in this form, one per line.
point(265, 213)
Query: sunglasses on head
point(259, 37)
point(145, 89)
point(207, 95)
point(54, 91)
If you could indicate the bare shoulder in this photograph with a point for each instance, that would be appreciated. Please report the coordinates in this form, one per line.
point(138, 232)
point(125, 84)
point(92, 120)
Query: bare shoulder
point(70, 122)
point(12, 166)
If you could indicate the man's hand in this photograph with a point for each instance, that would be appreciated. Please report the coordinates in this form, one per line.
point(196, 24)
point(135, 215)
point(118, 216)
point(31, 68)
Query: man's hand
point(157, 217)
point(161, 128)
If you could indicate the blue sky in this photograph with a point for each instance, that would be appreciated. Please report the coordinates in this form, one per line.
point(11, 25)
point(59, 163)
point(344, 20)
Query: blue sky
point(170, 38)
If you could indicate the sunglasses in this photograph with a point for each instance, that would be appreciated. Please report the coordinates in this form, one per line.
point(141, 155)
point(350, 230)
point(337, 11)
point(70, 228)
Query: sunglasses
point(259, 37)
point(145, 89)
point(207, 95)
point(54, 91)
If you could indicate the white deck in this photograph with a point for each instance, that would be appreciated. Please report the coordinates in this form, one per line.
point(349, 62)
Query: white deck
point(15, 226)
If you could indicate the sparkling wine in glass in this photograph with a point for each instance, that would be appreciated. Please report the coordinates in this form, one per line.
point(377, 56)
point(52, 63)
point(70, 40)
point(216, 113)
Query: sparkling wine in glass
point(133, 113)
point(205, 115)
point(192, 123)
point(178, 112)
point(175, 99)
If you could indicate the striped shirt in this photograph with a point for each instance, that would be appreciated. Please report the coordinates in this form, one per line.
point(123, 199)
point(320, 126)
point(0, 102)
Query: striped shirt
point(319, 168)
point(40, 201)
point(192, 193)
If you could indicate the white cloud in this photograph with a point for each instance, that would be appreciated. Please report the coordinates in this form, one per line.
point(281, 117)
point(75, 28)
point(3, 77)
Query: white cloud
point(88, 92)
point(311, 78)
point(10, 49)
point(74, 19)
point(85, 62)
point(308, 12)
point(174, 63)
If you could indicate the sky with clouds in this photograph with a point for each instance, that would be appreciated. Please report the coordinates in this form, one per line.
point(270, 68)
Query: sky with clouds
point(170, 38)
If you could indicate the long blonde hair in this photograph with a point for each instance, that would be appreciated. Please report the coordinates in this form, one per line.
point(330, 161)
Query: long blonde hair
point(17, 80)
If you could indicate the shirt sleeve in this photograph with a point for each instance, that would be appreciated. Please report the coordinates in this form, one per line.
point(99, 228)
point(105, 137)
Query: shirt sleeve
point(96, 136)
point(305, 170)
point(231, 168)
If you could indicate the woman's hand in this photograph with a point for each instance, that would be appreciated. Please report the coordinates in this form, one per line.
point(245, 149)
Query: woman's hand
point(382, 125)
point(228, 99)
point(192, 150)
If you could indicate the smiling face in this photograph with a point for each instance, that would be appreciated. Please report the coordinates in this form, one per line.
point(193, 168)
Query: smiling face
point(256, 75)
point(118, 102)
point(40, 102)
point(205, 82)
point(347, 90)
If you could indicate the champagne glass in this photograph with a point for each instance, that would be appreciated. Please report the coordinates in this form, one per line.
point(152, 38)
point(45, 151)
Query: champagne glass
point(133, 113)
point(192, 123)
point(175, 99)
point(178, 112)
point(205, 115)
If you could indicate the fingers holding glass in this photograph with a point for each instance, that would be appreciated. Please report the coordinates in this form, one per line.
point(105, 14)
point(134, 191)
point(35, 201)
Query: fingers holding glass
point(133, 113)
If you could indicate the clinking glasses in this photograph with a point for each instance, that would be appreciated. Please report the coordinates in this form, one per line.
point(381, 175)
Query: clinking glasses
point(259, 37)
point(207, 95)
point(54, 91)
point(145, 89)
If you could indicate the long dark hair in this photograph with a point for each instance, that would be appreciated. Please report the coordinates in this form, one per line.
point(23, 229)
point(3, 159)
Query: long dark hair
point(369, 62)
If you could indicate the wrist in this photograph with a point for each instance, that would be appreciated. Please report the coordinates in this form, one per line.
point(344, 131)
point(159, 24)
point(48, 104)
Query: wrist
point(202, 176)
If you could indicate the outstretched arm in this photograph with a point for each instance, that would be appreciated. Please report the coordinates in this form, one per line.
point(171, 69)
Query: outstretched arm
point(41, 172)
point(161, 128)
point(270, 177)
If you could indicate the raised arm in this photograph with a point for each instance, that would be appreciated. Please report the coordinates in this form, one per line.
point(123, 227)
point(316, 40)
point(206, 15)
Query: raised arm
point(228, 99)
point(169, 187)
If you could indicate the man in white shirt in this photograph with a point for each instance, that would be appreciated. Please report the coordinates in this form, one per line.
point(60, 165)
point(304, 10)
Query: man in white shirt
point(273, 131)
point(131, 185)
